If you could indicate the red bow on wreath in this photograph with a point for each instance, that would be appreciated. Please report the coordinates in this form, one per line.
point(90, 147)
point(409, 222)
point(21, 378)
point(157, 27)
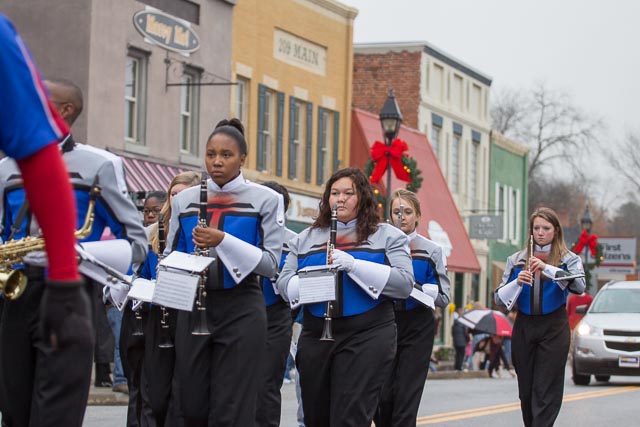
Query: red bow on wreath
point(585, 239)
point(379, 156)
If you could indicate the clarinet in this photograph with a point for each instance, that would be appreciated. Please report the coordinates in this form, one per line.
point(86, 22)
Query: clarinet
point(200, 327)
point(327, 331)
point(400, 216)
point(165, 337)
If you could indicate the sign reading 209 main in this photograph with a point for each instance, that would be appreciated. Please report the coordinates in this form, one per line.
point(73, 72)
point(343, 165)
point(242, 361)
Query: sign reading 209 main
point(167, 31)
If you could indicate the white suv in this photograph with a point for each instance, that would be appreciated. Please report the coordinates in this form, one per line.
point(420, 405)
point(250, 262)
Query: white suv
point(607, 339)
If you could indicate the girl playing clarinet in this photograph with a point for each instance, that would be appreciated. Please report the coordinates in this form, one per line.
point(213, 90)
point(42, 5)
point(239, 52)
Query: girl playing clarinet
point(342, 375)
point(218, 342)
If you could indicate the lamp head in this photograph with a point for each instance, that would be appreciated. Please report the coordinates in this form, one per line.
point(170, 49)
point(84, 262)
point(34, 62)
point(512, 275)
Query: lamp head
point(586, 221)
point(390, 117)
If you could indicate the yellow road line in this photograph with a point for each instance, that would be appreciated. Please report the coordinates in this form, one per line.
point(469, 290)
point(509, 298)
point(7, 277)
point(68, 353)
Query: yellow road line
point(514, 406)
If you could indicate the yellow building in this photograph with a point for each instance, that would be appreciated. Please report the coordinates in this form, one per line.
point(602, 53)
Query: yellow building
point(292, 64)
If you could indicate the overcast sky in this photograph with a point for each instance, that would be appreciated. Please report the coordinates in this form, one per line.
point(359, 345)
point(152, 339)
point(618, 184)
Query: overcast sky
point(587, 48)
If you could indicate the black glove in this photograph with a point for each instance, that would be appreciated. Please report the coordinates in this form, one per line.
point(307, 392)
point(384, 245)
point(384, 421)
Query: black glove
point(65, 314)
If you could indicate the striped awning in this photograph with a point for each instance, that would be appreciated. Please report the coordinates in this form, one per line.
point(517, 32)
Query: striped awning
point(147, 175)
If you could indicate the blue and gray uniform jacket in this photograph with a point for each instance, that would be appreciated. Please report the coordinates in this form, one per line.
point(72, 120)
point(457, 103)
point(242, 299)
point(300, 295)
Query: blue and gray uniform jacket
point(252, 217)
point(387, 245)
point(114, 209)
point(270, 296)
point(545, 296)
point(429, 267)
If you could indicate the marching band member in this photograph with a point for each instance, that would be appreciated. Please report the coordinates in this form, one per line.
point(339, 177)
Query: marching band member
point(415, 322)
point(38, 380)
point(29, 132)
point(159, 357)
point(341, 380)
point(279, 331)
point(134, 323)
point(218, 373)
point(540, 340)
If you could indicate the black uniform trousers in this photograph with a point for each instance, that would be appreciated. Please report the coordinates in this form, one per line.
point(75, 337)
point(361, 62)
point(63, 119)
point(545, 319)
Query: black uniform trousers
point(403, 390)
point(44, 386)
point(274, 362)
point(341, 381)
point(539, 348)
point(219, 374)
point(132, 351)
point(158, 367)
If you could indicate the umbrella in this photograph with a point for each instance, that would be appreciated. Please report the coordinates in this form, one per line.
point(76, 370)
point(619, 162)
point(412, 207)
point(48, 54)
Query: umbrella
point(488, 321)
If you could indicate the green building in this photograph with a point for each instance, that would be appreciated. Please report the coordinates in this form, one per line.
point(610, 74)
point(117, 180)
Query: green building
point(508, 181)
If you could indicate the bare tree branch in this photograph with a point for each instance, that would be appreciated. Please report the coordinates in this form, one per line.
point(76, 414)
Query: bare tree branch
point(546, 121)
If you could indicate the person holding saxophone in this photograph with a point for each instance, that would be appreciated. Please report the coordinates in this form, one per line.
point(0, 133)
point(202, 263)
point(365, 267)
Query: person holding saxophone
point(415, 321)
point(536, 282)
point(40, 379)
point(217, 344)
point(347, 345)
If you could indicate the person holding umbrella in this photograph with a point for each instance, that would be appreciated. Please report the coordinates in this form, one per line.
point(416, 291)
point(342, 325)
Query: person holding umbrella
point(537, 280)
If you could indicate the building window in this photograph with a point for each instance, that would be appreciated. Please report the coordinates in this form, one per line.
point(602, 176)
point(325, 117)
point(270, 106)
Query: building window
point(297, 138)
point(241, 100)
point(476, 101)
point(435, 140)
point(438, 82)
point(270, 130)
point(473, 174)
point(135, 77)
point(454, 170)
point(267, 131)
point(514, 215)
point(500, 207)
point(327, 136)
point(189, 112)
point(456, 97)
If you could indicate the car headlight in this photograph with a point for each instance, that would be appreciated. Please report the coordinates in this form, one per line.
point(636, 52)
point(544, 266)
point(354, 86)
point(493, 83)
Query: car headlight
point(584, 329)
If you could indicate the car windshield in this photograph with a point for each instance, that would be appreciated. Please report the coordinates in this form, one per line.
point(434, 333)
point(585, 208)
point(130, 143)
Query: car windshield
point(617, 301)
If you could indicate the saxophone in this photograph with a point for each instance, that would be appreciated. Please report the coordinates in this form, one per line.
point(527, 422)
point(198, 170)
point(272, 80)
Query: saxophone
point(200, 327)
point(14, 282)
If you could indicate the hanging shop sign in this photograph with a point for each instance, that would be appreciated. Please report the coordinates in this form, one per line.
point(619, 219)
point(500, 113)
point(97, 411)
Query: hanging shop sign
point(166, 31)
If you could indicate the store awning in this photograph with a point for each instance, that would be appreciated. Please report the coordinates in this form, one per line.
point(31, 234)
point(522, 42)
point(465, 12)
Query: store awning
point(440, 221)
point(146, 175)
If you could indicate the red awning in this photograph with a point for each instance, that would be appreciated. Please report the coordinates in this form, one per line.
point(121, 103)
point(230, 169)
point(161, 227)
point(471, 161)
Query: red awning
point(440, 221)
point(146, 175)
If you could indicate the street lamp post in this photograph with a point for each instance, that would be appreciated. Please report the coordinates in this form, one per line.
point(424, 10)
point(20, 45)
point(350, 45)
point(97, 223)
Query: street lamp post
point(390, 119)
point(586, 222)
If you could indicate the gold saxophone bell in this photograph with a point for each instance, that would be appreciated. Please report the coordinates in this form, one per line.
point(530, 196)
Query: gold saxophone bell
point(13, 284)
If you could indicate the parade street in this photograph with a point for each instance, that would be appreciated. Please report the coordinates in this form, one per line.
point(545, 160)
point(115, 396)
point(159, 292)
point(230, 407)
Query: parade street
point(475, 402)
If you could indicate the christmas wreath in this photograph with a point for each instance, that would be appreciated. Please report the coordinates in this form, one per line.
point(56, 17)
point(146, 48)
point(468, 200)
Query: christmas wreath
point(595, 248)
point(404, 167)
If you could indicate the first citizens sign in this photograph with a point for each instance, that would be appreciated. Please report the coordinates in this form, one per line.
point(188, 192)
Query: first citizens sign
point(166, 31)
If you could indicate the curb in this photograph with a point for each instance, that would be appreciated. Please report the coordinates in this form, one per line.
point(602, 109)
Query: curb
point(106, 397)
point(450, 375)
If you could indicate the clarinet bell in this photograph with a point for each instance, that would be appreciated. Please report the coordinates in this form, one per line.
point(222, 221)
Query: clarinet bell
point(327, 330)
point(165, 336)
point(138, 328)
point(200, 326)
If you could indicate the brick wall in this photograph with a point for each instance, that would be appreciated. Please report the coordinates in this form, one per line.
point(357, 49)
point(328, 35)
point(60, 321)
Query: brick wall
point(374, 74)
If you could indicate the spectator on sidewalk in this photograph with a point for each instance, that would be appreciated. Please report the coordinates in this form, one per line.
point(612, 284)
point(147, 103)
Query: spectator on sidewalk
point(460, 339)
